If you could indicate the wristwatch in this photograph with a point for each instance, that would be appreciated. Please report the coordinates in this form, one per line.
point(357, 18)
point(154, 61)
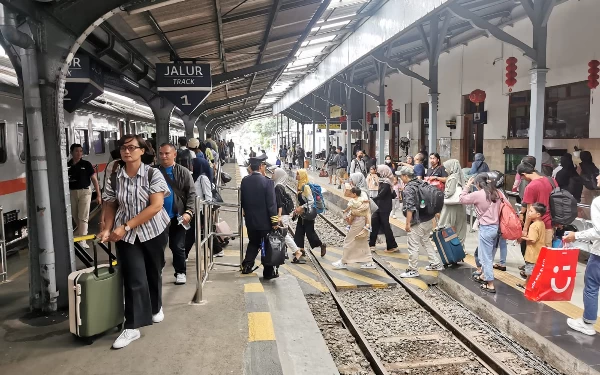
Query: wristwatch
point(127, 228)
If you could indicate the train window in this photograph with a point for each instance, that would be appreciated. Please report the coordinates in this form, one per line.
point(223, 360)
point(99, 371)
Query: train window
point(81, 136)
point(98, 142)
point(3, 152)
point(21, 142)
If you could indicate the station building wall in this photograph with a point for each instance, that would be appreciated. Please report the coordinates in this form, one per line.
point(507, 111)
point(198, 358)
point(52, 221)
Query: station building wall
point(572, 42)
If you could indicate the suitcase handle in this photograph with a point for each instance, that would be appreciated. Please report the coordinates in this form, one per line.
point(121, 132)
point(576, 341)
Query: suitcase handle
point(111, 268)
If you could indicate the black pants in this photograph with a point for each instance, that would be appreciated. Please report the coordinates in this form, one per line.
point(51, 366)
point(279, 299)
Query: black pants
point(255, 238)
point(141, 264)
point(381, 220)
point(177, 236)
point(306, 227)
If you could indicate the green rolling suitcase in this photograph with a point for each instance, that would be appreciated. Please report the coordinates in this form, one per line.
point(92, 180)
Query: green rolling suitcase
point(96, 302)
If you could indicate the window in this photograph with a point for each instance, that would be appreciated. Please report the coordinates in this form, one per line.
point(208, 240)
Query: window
point(566, 112)
point(20, 142)
point(98, 142)
point(81, 136)
point(3, 153)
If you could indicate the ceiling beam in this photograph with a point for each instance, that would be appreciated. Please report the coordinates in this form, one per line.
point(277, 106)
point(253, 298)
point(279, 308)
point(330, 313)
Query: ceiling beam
point(241, 73)
point(226, 102)
point(222, 55)
point(154, 23)
point(266, 10)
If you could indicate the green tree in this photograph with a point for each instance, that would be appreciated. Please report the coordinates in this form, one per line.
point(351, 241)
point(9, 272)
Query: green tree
point(259, 131)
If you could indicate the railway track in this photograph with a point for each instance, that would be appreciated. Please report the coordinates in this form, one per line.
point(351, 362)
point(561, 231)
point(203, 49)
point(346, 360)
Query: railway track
point(403, 331)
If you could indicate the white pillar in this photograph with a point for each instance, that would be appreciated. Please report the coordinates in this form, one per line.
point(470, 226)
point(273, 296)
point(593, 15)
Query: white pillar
point(381, 135)
point(314, 146)
point(326, 137)
point(433, 104)
point(349, 139)
point(536, 114)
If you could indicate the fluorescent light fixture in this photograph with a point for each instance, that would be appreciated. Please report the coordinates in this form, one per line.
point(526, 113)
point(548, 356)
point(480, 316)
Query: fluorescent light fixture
point(324, 39)
point(334, 25)
point(155, 4)
point(345, 3)
point(131, 82)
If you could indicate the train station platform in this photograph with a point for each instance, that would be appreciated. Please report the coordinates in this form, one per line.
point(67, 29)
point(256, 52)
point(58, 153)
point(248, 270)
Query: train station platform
point(246, 325)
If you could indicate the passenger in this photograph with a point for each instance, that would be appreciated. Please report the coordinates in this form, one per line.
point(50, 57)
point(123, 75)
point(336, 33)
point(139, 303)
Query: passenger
point(419, 169)
point(479, 165)
point(388, 161)
point(410, 161)
point(300, 154)
point(373, 182)
point(231, 147)
point(280, 178)
point(212, 144)
point(380, 219)
point(332, 166)
point(341, 169)
point(358, 164)
point(588, 172)
point(180, 205)
point(112, 166)
point(306, 214)
point(585, 324)
point(356, 246)
point(290, 158)
point(185, 156)
point(535, 239)
point(548, 162)
point(487, 205)
point(436, 171)
point(81, 175)
point(418, 225)
point(259, 208)
point(453, 213)
point(538, 190)
point(136, 220)
point(568, 178)
point(397, 187)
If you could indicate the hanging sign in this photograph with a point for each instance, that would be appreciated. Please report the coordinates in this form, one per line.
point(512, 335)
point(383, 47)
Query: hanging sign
point(480, 117)
point(84, 83)
point(185, 85)
point(331, 126)
point(335, 111)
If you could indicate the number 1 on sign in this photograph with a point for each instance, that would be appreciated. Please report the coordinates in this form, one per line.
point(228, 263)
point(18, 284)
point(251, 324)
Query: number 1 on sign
point(185, 100)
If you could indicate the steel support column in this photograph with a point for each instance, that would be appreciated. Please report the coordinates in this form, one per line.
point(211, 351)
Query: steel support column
point(189, 123)
point(536, 114)
point(302, 137)
point(288, 133)
point(201, 125)
point(381, 135)
point(327, 146)
point(314, 139)
point(162, 110)
point(297, 133)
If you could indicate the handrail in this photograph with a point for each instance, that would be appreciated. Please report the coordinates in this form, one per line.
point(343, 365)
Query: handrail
point(3, 262)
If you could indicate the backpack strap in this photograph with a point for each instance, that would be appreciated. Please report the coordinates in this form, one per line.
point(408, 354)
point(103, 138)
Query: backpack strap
point(551, 182)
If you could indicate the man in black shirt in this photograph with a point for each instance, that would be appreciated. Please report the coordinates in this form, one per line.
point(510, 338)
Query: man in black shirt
point(81, 175)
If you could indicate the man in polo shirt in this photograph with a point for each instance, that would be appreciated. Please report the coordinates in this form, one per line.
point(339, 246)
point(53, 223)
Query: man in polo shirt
point(179, 205)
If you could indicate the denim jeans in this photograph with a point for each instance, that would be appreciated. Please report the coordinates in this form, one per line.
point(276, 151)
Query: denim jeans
point(590, 290)
point(500, 242)
point(487, 241)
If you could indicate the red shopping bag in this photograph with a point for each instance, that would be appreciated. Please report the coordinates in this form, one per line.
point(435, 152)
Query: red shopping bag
point(553, 276)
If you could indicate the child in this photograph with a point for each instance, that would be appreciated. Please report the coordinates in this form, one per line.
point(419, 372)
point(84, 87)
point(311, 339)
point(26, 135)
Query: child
point(373, 182)
point(397, 187)
point(535, 238)
point(357, 207)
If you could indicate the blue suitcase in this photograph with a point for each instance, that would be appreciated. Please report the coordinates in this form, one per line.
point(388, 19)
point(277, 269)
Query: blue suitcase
point(448, 245)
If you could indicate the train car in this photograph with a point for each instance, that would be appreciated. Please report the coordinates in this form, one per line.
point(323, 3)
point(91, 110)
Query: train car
point(95, 126)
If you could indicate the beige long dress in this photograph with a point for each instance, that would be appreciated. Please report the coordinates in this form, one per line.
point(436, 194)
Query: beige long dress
point(356, 248)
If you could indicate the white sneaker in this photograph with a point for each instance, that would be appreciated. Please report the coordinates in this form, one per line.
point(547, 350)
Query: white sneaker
point(84, 244)
point(126, 337)
point(581, 326)
point(339, 265)
point(158, 317)
point(220, 254)
point(180, 279)
point(369, 265)
point(410, 273)
point(393, 216)
point(434, 267)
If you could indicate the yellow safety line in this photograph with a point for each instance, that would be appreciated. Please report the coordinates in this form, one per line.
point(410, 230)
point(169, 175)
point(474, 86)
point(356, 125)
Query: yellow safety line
point(231, 253)
point(352, 275)
point(417, 282)
point(18, 273)
point(253, 288)
point(260, 327)
point(307, 279)
point(84, 238)
point(342, 284)
point(564, 307)
point(382, 253)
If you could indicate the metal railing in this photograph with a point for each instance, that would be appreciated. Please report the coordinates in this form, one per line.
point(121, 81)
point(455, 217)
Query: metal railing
point(3, 262)
point(205, 232)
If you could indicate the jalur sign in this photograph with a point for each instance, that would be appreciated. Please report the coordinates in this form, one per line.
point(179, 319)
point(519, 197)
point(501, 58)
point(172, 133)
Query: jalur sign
point(185, 85)
point(84, 83)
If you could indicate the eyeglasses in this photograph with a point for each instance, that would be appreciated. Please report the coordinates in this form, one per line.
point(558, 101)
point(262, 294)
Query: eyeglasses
point(129, 148)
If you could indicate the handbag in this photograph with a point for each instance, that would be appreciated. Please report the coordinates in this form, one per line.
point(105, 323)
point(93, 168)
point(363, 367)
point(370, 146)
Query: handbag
point(217, 196)
point(273, 249)
point(455, 198)
point(553, 276)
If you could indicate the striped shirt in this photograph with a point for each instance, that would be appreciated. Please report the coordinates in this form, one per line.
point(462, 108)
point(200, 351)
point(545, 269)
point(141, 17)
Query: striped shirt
point(133, 196)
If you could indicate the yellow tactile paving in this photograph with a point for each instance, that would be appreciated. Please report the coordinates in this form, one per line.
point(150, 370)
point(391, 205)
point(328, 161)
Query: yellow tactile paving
point(307, 279)
point(353, 275)
point(338, 283)
point(398, 255)
point(253, 288)
point(422, 270)
point(566, 308)
point(231, 253)
point(260, 327)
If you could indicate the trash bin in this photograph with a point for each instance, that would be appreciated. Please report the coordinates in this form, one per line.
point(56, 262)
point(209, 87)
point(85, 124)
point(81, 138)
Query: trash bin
point(306, 164)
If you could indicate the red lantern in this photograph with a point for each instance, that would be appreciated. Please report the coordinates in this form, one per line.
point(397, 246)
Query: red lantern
point(511, 72)
point(593, 74)
point(368, 117)
point(343, 118)
point(390, 107)
point(477, 96)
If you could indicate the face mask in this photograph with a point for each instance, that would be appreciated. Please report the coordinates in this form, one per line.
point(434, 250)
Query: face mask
point(388, 161)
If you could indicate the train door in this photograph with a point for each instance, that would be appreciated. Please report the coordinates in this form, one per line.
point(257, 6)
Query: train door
point(472, 133)
point(395, 135)
point(424, 138)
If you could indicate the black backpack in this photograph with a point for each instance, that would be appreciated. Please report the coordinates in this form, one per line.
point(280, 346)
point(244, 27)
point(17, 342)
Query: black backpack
point(563, 206)
point(273, 249)
point(184, 158)
point(286, 200)
point(343, 162)
point(433, 197)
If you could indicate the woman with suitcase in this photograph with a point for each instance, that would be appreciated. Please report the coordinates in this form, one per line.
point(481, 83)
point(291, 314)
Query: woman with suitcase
point(136, 220)
point(306, 214)
point(453, 214)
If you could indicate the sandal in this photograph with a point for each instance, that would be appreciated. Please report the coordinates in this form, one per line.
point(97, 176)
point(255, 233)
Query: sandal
point(486, 288)
point(522, 268)
point(323, 250)
point(476, 273)
point(521, 286)
point(298, 260)
point(478, 279)
point(499, 267)
point(523, 275)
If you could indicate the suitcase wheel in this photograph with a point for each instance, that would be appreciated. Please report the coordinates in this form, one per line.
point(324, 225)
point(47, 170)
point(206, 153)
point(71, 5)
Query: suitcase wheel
point(120, 327)
point(85, 340)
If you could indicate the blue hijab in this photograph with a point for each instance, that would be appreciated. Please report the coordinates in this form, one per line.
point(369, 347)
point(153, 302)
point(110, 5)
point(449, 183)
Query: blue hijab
point(479, 165)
